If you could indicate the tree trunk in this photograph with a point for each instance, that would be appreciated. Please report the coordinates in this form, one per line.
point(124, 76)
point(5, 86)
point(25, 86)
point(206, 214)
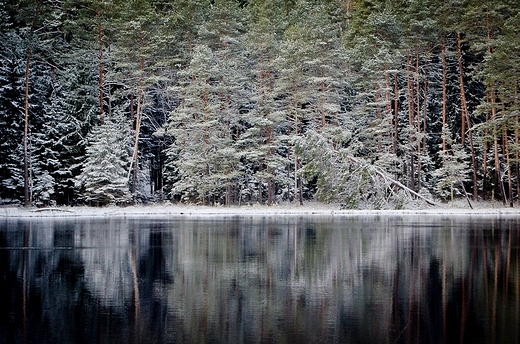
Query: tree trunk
point(388, 99)
point(270, 190)
point(465, 116)
point(515, 101)
point(322, 99)
point(295, 178)
point(133, 165)
point(206, 140)
point(100, 63)
point(377, 99)
point(132, 112)
point(505, 149)
point(228, 192)
point(463, 108)
point(485, 158)
point(418, 103)
point(27, 199)
point(505, 142)
point(444, 100)
point(498, 179)
point(396, 113)
point(411, 123)
point(296, 188)
point(491, 97)
point(383, 174)
point(425, 113)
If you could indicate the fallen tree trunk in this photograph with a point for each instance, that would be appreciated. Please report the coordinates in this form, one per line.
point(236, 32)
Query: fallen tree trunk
point(39, 210)
point(385, 175)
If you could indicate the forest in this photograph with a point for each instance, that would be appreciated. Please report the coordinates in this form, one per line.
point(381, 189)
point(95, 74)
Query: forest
point(363, 103)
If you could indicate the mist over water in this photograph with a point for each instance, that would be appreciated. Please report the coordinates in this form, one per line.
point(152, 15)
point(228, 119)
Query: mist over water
point(365, 279)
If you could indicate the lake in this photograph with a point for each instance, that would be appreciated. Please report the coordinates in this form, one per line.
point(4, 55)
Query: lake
point(254, 279)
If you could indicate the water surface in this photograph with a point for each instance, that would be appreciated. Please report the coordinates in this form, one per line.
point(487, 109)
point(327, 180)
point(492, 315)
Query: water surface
point(283, 279)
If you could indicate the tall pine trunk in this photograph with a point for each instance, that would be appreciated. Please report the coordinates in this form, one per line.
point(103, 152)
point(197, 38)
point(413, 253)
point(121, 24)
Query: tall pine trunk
point(377, 98)
point(486, 131)
point(26, 182)
point(266, 87)
point(465, 116)
point(26, 177)
point(425, 114)
point(505, 149)
point(444, 100)
point(505, 143)
point(100, 65)
point(517, 123)
point(499, 187)
point(133, 165)
point(396, 113)
point(388, 99)
point(419, 119)
point(270, 186)
point(205, 197)
point(322, 105)
point(411, 124)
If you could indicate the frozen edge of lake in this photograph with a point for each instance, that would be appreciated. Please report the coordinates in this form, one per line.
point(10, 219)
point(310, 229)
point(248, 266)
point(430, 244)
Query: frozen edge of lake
point(277, 210)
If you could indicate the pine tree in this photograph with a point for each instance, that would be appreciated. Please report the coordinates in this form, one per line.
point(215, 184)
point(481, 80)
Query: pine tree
point(382, 131)
point(309, 86)
point(225, 32)
point(503, 63)
point(215, 102)
point(194, 128)
point(273, 100)
point(140, 64)
point(263, 163)
point(324, 66)
point(485, 39)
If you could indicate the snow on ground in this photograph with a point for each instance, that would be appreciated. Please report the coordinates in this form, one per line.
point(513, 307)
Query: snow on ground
point(457, 208)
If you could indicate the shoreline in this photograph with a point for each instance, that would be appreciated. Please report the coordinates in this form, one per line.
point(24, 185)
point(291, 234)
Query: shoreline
point(255, 210)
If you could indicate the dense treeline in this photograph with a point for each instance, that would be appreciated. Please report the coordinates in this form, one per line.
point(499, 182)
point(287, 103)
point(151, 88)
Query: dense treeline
point(360, 102)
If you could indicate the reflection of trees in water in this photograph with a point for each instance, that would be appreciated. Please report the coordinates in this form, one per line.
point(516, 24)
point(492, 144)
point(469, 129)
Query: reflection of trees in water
point(108, 254)
point(50, 302)
point(386, 281)
point(261, 279)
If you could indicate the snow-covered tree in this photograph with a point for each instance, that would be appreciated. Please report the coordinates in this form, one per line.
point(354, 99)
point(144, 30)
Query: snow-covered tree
point(195, 127)
point(310, 84)
point(452, 174)
point(11, 113)
point(104, 174)
point(264, 165)
point(205, 160)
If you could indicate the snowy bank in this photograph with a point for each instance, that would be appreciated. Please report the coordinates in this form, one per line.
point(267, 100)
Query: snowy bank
point(313, 209)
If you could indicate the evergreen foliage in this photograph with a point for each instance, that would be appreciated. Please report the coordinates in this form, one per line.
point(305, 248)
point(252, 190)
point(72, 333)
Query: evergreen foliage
point(103, 179)
point(361, 103)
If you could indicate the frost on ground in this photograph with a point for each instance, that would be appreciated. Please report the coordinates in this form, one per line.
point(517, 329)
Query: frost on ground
point(451, 208)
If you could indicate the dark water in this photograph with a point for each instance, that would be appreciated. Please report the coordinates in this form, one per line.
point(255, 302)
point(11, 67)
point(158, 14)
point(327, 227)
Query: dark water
point(260, 280)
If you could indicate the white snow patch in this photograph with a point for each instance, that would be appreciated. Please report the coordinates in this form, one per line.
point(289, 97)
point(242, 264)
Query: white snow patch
point(311, 209)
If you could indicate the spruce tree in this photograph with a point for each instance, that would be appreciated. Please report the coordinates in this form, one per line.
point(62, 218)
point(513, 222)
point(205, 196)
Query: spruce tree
point(11, 111)
point(103, 179)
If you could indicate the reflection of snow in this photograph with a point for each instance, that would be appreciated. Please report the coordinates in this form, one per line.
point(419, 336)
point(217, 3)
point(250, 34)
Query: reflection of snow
point(109, 254)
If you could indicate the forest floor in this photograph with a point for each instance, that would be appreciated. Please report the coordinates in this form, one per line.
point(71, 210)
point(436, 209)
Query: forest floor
point(311, 208)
